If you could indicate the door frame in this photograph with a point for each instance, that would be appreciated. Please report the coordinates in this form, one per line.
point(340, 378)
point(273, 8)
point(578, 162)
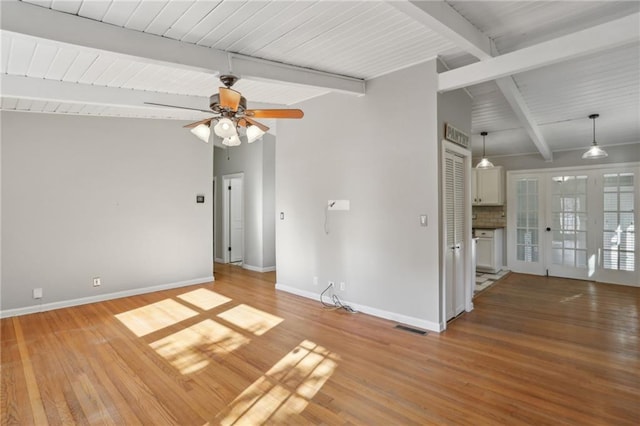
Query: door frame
point(469, 270)
point(225, 214)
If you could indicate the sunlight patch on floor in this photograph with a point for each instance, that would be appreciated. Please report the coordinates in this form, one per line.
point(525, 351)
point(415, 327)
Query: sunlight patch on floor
point(147, 319)
point(570, 298)
point(204, 299)
point(285, 390)
point(251, 319)
point(189, 350)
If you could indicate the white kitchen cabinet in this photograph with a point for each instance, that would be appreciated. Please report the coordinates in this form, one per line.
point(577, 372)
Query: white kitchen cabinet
point(488, 186)
point(489, 250)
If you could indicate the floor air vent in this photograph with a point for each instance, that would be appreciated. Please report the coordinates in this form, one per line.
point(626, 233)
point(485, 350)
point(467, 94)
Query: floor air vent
point(410, 329)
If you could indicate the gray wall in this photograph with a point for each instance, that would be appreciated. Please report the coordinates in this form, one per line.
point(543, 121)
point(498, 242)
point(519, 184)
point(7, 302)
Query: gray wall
point(256, 161)
point(617, 154)
point(110, 197)
point(380, 152)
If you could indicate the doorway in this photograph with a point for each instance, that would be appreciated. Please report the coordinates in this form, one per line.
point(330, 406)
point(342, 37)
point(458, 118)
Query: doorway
point(233, 218)
point(575, 223)
point(459, 276)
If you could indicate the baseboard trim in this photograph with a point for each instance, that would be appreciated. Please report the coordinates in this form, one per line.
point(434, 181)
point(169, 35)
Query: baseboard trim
point(380, 313)
point(259, 268)
point(219, 260)
point(100, 298)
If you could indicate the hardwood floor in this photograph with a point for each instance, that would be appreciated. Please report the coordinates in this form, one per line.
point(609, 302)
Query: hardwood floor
point(534, 351)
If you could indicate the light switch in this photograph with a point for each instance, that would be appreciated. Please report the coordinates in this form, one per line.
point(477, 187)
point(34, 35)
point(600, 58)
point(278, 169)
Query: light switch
point(423, 220)
point(281, 215)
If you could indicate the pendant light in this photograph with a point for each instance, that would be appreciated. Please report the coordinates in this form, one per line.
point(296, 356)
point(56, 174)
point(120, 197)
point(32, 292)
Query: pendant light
point(484, 163)
point(595, 152)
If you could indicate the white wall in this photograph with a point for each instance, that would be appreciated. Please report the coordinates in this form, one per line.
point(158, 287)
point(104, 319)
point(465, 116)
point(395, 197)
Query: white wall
point(256, 161)
point(379, 151)
point(111, 197)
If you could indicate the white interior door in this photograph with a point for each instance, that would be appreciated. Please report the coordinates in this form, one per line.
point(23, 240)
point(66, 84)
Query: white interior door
point(567, 231)
point(233, 218)
point(524, 253)
point(455, 207)
point(618, 248)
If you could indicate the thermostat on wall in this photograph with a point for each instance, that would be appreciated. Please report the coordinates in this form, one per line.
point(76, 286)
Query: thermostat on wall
point(199, 198)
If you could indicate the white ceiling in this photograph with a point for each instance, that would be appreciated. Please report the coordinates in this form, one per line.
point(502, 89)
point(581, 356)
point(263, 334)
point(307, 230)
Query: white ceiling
point(109, 57)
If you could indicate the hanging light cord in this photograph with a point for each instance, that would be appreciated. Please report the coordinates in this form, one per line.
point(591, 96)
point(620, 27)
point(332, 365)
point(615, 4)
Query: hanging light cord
point(483, 153)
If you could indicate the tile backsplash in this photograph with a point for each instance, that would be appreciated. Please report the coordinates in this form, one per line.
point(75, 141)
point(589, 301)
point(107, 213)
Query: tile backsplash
point(489, 217)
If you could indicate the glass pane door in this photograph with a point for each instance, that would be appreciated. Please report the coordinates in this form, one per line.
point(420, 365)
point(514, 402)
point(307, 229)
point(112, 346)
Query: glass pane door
point(619, 248)
point(568, 231)
point(525, 253)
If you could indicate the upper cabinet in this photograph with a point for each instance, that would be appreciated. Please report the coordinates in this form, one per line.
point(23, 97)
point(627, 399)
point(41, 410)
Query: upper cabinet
point(488, 186)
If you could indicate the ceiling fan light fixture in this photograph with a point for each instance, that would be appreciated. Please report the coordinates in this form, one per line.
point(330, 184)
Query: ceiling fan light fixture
point(254, 133)
point(595, 152)
point(225, 128)
point(202, 132)
point(484, 163)
point(231, 141)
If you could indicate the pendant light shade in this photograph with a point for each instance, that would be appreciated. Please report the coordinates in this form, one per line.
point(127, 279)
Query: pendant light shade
point(484, 163)
point(595, 152)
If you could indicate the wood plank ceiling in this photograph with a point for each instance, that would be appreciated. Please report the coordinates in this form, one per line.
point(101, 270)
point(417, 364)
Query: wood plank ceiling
point(359, 40)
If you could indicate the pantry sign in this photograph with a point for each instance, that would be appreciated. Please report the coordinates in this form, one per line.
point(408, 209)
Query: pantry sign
point(456, 136)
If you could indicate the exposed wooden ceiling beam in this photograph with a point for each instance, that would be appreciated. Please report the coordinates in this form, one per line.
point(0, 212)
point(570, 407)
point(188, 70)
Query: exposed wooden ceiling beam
point(36, 21)
point(443, 19)
point(592, 40)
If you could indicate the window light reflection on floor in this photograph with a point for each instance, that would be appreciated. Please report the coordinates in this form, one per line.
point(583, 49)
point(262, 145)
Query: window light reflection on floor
point(250, 319)
point(204, 299)
point(147, 319)
point(285, 390)
point(190, 350)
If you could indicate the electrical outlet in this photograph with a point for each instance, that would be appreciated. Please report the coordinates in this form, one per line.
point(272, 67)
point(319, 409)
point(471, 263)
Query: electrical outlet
point(343, 286)
point(332, 284)
point(97, 282)
point(37, 293)
point(315, 280)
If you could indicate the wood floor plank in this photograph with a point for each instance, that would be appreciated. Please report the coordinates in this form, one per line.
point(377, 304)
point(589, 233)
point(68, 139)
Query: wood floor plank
point(535, 350)
point(33, 390)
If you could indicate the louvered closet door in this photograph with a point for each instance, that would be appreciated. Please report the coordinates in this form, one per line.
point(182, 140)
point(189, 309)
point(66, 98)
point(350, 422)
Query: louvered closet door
point(454, 199)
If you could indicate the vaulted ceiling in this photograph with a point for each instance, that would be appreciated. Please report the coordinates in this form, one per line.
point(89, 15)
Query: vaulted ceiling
point(535, 69)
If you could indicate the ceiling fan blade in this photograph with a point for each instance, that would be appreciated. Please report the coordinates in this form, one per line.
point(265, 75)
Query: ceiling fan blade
point(197, 123)
point(255, 123)
point(229, 98)
point(179, 107)
point(274, 113)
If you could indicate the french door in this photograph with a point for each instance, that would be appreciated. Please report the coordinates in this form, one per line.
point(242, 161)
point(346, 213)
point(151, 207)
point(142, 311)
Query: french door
point(566, 230)
point(575, 223)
